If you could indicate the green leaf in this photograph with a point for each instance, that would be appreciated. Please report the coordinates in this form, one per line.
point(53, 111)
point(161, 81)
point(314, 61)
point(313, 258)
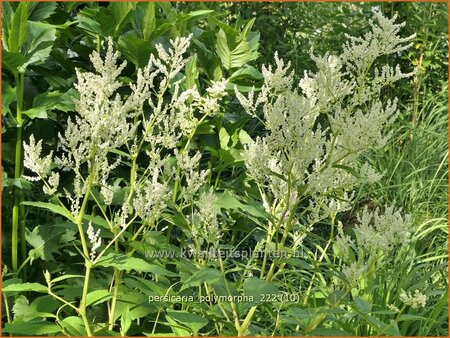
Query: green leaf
point(175, 217)
point(145, 286)
point(192, 72)
point(202, 13)
point(149, 20)
point(190, 320)
point(39, 44)
point(248, 26)
point(10, 282)
point(7, 16)
point(246, 72)
point(347, 169)
point(97, 297)
point(88, 21)
point(407, 317)
point(259, 289)
point(362, 306)
point(244, 137)
point(373, 321)
point(227, 200)
point(41, 307)
point(36, 113)
point(18, 32)
point(36, 287)
point(6, 182)
point(392, 329)
point(57, 209)
point(20, 307)
point(224, 138)
point(45, 241)
point(177, 329)
point(56, 100)
point(323, 331)
point(8, 97)
point(119, 11)
point(222, 49)
point(74, 326)
point(204, 275)
point(35, 328)
point(12, 61)
point(125, 321)
point(97, 220)
point(38, 11)
point(64, 277)
point(21, 183)
point(166, 7)
point(238, 49)
point(123, 262)
point(135, 49)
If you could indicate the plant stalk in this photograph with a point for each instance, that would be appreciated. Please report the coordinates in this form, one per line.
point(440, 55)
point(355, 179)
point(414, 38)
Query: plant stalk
point(17, 212)
point(88, 264)
point(116, 283)
point(82, 307)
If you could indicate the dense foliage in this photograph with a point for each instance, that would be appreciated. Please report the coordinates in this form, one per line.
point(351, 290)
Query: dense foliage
point(224, 169)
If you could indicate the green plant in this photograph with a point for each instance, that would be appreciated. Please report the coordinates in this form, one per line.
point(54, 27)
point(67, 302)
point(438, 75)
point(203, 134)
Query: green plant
point(27, 43)
point(171, 188)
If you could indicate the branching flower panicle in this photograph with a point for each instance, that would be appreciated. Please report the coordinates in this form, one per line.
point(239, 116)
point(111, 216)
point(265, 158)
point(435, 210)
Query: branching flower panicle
point(317, 131)
point(94, 239)
point(106, 121)
point(415, 301)
point(377, 232)
point(34, 161)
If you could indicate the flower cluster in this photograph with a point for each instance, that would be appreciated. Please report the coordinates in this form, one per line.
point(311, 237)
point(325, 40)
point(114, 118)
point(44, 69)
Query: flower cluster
point(147, 118)
point(151, 198)
point(415, 301)
point(34, 161)
point(377, 236)
point(376, 232)
point(205, 222)
point(317, 132)
point(383, 232)
point(354, 272)
point(189, 167)
point(171, 121)
point(104, 119)
point(94, 239)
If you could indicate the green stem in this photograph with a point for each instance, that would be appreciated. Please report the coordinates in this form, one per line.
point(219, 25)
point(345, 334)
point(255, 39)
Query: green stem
point(270, 273)
point(247, 320)
point(51, 293)
point(8, 315)
point(97, 258)
point(116, 283)
point(82, 307)
point(177, 182)
point(99, 43)
point(88, 264)
point(311, 283)
point(15, 232)
point(237, 321)
point(23, 242)
point(19, 79)
point(268, 240)
point(217, 181)
point(83, 209)
point(133, 176)
point(24, 263)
